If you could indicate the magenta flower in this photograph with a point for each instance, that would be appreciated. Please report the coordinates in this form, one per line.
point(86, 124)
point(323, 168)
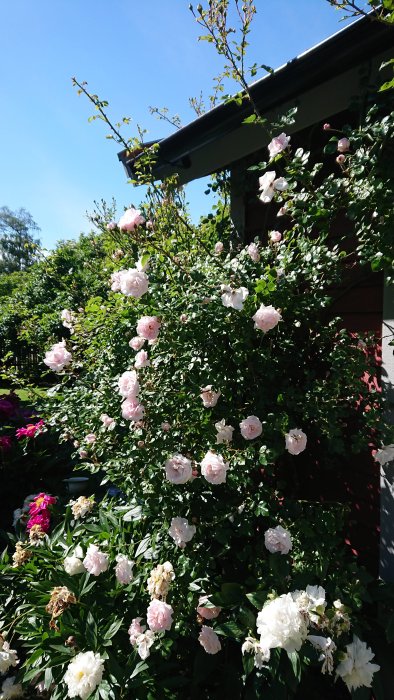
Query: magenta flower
point(41, 519)
point(5, 442)
point(30, 431)
point(41, 504)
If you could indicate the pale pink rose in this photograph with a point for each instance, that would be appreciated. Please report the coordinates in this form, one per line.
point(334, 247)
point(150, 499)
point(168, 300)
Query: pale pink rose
point(178, 469)
point(141, 359)
point(83, 454)
point(107, 421)
point(225, 432)
point(340, 159)
point(130, 220)
point(219, 247)
point(253, 252)
point(209, 640)
point(295, 441)
point(266, 186)
point(214, 468)
point(95, 562)
point(282, 211)
point(123, 569)
point(207, 613)
point(128, 384)
point(135, 630)
point(111, 226)
point(343, 145)
point(266, 318)
point(90, 438)
point(159, 616)
point(58, 357)
point(181, 532)
point(136, 343)
point(209, 397)
point(275, 236)
point(67, 318)
point(278, 144)
point(326, 126)
point(183, 318)
point(234, 298)
point(148, 327)
point(251, 428)
point(115, 280)
point(132, 410)
point(166, 426)
point(281, 184)
point(277, 539)
point(133, 283)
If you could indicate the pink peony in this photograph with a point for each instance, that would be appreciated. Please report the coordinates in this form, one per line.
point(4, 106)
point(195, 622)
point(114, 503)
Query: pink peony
point(343, 145)
point(133, 283)
point(209, 640)
point(128, 384)
point(253, 252)
point(219, 247)
point(278, 144)
point(251, 427)
point(95, 562)
point(42, 519)
point(41, 503)
point(178, 469)
point(123, 569)
point(295, 441)
point(141, 359)
point(209, 397)
point(132, 410)
point(214, 468)
point(130, 219)
point(148, 327)
point(181, 532)
point(58, 357)
point(135, 630)
point(207, 613)
point(266, 318)
point(159, 616)
point(277, 539)
point(275, 236)
point(136, 343)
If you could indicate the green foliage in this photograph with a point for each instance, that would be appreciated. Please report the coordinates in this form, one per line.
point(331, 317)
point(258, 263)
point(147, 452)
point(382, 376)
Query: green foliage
point(18, 247)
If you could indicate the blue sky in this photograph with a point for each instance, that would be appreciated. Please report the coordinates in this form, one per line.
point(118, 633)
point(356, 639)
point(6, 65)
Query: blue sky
point(133, 54)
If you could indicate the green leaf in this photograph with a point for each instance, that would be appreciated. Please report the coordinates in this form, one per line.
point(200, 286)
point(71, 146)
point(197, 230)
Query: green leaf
point(257, 599)
point(112, 629)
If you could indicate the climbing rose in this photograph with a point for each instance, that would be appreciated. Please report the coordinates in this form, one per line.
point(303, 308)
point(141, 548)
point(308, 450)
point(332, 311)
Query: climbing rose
point(266, 318)
point(225, 432)
point(356, 669)
point(123, 569)
point(343, 145)
point(67, 319)
point(234, 298)
point(277, 539)
point(251, 427)
point(278, 144)
point(207, 613)
point(136, 343)
point(130, 220)
point(295, 441)
point(141, 359)
point(84, 673)
point(160, 580)
point(95, 562)
point(178, 469)
point(107, 421)
point(218, 247)
point(132, 410)
point(181, 532)
point(209, 397)
point(135, 629)
point(128, 384)
point(214, 468)
point(253, 252)
point(209, 640)
point(269, 183)
point(148, 327)
point(275, 236)
point(133, 283)
point(90, 438)
point(57, 357)
point(281, 624)
point(159, 616)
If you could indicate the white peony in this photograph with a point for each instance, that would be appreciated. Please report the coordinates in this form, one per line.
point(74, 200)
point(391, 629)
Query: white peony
point(234, 298)
point(181, 532)
point(253, 646)
point(144, 642)
point(281, 624)
point(326, 647)
point(277, 539)
point(312, 601)
point(73, 565)
point(8, 657)
point(123, 569)
point(356, 669)
point(84, 674)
